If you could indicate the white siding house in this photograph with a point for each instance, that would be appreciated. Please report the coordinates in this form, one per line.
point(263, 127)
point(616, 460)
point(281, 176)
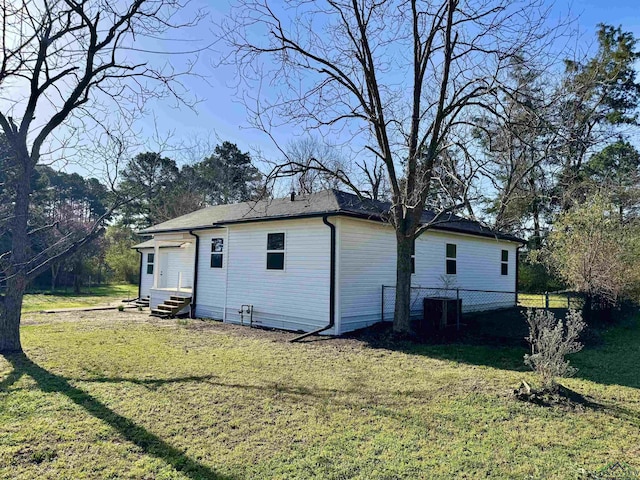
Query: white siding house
point(368, 261)
point(275, 258)
point(241, 276)
point(147, 265)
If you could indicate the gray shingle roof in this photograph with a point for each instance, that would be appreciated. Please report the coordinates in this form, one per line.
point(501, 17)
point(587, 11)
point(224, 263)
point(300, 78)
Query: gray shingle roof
point(316, 204)
point(147, 244)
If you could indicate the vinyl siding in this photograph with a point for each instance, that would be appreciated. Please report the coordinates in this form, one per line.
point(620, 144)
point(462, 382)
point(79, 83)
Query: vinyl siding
point(146, 280)
point(179, 261)
point(367, 259)
point(211, 293)
point(296, 298)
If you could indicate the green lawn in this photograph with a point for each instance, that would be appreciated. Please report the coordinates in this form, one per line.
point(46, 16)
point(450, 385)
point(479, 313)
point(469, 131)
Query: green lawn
point(102, 295)
point(118, 395)
point(556, 300)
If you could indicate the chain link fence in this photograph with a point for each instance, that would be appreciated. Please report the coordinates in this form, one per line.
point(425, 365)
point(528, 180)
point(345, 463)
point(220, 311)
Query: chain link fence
point(551, 300)
point(474, 301)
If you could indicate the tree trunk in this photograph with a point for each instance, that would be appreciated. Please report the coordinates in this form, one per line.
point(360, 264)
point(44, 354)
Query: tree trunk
point(536, 240)
point(54, 275)
point(402, 314)
point(10, 315)
point(17, 271)
point(537, 234)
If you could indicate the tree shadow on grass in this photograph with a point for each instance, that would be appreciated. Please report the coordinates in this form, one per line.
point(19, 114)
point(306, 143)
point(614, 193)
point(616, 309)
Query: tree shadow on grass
point(12, 378)
point(610, 357)
point(494, 352)
point(273, 387)
point(151, 444)
point(150, 383)
point(574, 400)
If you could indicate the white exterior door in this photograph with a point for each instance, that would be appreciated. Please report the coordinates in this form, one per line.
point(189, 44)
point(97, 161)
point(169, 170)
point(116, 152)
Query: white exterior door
point(163, 265)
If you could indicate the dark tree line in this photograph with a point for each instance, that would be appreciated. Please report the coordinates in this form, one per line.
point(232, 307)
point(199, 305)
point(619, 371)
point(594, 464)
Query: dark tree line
point(560, 141)
point(66, 78)
point(161, 190)
point(65, 206)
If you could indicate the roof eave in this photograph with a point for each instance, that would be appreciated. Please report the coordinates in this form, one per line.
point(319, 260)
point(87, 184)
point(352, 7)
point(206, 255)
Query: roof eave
point(498, 236)
point(364, 216)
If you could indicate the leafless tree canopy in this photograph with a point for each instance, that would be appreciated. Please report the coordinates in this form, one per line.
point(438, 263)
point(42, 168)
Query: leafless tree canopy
point(308, 162)
point(397, 77)
point(71, 70)
point(65, 58)
point(402, 80)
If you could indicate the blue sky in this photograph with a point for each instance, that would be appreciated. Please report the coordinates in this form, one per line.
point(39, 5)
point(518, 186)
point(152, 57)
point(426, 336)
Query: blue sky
point(220, 116)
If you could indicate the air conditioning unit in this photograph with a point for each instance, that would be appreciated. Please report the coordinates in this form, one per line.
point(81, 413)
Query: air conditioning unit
point(440, 312)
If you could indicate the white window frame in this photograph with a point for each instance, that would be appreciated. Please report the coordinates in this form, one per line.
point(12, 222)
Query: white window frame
point(221, 253)
point(447, 258)
point(153, 264)
point(504, 262)
point(283, 252)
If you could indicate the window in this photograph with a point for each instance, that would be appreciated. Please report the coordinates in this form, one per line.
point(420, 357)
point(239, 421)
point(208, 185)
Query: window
point(504, 264)
point(413, 256)
point(217, 248)
point(275, 251)
point(151, 257)
point(452, 253)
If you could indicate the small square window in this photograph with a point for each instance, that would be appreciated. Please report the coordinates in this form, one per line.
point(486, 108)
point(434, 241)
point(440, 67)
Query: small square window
point(451, 267)
point(275, 261)
point(505, 255)
point(451, 250)
point(275, 241)
point(216, 260)
point(217, 245)
point(504, 269)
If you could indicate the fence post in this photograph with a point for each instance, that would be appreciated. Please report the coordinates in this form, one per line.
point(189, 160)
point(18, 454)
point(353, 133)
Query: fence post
point(382, 312)
point(546, 300)
point(458, 309)
point(568, 301)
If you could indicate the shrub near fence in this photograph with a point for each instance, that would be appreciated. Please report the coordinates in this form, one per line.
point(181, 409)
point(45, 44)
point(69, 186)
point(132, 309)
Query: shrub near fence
point(474, 301)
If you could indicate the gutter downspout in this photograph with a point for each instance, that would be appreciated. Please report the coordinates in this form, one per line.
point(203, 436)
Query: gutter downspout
point(140, 273)
point(194, 291)
point(332, 284)
point(517, 270)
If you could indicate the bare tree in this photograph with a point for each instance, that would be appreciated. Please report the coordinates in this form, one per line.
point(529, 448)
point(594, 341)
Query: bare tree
point(69, 67)
point(396, 77)
point(312, 165)
point(517, 146)
point(308, 162)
